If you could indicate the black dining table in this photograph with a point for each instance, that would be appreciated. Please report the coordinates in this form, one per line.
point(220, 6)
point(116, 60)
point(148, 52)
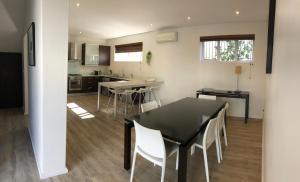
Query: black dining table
point(180, 121)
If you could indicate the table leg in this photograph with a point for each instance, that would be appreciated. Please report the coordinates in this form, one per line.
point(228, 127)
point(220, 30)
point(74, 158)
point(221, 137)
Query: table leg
point(127, 146)
point(247, 110)
point(99, 95)
point(115, 104)
point(182, 168)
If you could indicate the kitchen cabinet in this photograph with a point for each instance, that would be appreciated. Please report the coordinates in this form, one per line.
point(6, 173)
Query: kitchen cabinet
point(89, 84)
point(104, 55)
point(90, 54)
point(94, 55)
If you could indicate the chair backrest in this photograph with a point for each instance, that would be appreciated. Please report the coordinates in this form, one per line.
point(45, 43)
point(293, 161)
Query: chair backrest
point(150, 141)
point(221, 120)
point(210, 133)
point(226, 106)
point(144, 90)
point(207, 97)
point(149, 106)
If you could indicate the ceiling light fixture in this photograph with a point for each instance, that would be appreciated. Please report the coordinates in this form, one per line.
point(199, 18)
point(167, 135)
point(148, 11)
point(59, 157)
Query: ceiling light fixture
point(237, 12)
point(189, 18)
point(151, 25)
point(80, 32)
point(77, 4)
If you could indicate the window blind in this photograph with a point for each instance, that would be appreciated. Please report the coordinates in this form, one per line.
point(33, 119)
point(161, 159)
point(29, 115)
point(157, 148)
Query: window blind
point(133, 47)
point(228, 37)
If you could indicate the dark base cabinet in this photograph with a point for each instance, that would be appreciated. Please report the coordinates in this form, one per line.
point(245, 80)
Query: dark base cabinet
point(11, 83)
point(89, 84)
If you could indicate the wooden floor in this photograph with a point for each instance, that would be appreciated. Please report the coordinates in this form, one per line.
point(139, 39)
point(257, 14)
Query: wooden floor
point(95, 151)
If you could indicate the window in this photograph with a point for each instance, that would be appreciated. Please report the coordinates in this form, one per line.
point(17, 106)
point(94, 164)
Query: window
point(227, 48)
point(129, 52)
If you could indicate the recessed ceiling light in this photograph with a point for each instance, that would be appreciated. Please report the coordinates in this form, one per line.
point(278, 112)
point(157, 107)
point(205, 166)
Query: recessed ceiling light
point(77, 4)
point(237, 12)
point(151, 25)
point(188, 18)
point(80, 32)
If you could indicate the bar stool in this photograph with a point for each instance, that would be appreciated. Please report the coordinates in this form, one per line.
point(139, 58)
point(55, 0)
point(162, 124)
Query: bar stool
point(155, 95)
point(142, 92)
point(110, 93)
point(128, 94)
point(122, 95)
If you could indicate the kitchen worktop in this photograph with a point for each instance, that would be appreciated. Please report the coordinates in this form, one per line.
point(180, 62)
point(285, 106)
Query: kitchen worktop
point(102, 75)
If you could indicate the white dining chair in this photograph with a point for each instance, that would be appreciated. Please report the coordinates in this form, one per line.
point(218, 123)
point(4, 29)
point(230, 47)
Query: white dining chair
point(150, 145)
point(207, 97)
point(205, 140)
point(222, 127)
point(149, 106)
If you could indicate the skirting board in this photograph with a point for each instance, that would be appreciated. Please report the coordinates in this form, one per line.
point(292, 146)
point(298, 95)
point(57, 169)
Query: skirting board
point(53, 173)
point(41, 174)
point(242, 119)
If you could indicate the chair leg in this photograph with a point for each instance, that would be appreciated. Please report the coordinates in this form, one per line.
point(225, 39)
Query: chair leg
point(163, 169)
point(125, 105)
point(218, 149)
point(108, 100)
point(225, 135)
point(206, 165)
point(133, 165)
point(193, 150)
point(140, 97)
point(177, 159)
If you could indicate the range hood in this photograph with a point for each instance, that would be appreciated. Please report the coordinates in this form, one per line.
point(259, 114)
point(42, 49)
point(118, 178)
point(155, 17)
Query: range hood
point(74, 51)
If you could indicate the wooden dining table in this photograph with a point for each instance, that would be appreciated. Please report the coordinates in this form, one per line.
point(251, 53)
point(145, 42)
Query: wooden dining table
point(180, 121)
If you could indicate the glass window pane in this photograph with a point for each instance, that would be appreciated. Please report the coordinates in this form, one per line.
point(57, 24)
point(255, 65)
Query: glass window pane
point(210, 49)
point(129, 57)
point(227, 50)
point(245, 51)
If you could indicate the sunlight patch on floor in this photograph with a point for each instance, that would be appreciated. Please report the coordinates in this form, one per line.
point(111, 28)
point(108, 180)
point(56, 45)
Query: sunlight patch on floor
point(79, 111)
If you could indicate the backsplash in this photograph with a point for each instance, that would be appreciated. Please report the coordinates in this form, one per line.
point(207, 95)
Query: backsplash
point(75, 67)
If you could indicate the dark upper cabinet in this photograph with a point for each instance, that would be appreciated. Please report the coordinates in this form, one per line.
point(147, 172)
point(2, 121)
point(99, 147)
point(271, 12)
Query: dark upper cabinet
point(104, 55)
point(93, 55)
point(83, 54)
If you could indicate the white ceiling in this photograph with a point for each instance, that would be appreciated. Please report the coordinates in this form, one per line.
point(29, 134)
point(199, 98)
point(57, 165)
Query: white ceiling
point(116, 18)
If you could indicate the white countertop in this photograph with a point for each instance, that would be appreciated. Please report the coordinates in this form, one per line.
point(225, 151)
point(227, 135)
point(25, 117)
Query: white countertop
point(129, 84)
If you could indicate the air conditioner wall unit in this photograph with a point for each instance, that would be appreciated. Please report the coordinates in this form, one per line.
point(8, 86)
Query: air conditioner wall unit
point(162, 37)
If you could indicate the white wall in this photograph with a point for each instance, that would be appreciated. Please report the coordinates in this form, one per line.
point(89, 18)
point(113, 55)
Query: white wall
point(281, 159)
point(12, 14)
point(178, 64)
point(48, 85)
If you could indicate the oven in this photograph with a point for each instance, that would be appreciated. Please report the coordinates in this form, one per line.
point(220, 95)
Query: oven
point(75, 82)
